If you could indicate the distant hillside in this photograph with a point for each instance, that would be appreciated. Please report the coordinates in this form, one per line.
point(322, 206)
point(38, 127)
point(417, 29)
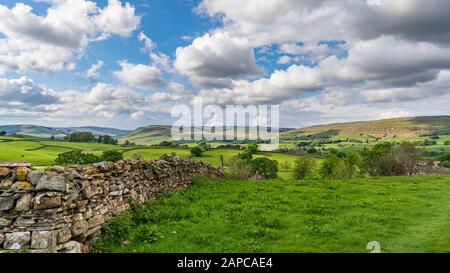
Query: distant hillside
point(402, 127)
point(42, 131)
point(154, 134)
point(148, 135)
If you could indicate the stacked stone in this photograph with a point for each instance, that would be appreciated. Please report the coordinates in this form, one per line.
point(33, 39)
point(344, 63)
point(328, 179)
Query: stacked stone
point(62, 209)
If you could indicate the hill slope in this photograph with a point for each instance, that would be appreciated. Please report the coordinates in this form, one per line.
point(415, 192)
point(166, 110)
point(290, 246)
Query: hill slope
point(403, 127)
point(42, 131)
point(148, 135)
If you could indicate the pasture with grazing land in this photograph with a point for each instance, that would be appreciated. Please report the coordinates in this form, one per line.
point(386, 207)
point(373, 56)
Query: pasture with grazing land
point(404, 214)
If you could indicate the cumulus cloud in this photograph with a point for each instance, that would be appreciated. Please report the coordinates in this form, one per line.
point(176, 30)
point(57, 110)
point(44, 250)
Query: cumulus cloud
point(149, 45)
point(23, 93)
point(213, 60)
point(50, 42)
point(140, 76)
point(92, 73)
point(291, 20)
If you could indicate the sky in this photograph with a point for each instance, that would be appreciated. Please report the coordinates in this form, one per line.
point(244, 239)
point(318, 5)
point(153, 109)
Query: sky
point(125, 64)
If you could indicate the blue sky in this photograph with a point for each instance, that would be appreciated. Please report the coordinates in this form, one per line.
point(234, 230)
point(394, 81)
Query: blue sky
point(82, 62)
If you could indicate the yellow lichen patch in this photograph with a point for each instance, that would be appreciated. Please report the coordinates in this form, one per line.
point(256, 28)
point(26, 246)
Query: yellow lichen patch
point(90, 171)
point(4, 171)
point(25, 185)
point(22, 173)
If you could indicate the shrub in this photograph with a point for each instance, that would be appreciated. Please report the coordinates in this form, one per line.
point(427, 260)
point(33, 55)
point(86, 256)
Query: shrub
point(445, 160)
point(339, 167)
point(196, 151)
point(76, 157)
point(112, 156)
point(304, 166)
point(246, 155)
point(239, 168)
point(265, 167)
point(253, 148)
point(114, 232)
point(387, 159)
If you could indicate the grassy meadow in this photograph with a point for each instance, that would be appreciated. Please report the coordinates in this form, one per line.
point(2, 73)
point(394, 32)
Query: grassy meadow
point(404, 214)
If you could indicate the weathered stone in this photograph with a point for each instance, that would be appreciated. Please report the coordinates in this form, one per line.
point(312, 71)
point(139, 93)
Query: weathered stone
point(74, 202)
point(96, 220)
point(44, 201)
point(58, 169)
point(34, 176)
point(71, 247)
point(2, 238)
point(6, 203)
point(64, 235)
point(79, 227)
point(21, 186)
point(16, 240)
point(91, 170)
point(78, 217)
point(115, 193)
point(5, 222)
point(24, 202)
point(6, 184)
point(21, 173)
point(52, 183)
point(88, 213)
point(24, 222)
point(4, 172)
point(43, 239)
point(88, 192)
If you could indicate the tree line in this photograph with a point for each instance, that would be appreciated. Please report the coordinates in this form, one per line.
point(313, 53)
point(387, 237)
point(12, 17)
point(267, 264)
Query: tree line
point(90, 137)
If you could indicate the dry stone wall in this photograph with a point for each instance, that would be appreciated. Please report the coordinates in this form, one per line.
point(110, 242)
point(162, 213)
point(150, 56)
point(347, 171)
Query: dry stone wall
point(62, 208)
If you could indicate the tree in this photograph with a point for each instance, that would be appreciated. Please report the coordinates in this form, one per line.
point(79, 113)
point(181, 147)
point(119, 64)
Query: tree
point(196, 151)
point(3, 133)
point(387, 159)
point(112, 156)
point(81, 137)
point(339, 167)
point(239, 168)
point(52, 137)
point(265, 167)
point(246, 155)
point(76, 157)
point(304, 166)
point(253, 148)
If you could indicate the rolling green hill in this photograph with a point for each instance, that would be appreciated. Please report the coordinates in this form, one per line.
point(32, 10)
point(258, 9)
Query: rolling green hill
point(59, 132)
point(148, 135)
point(402, 127)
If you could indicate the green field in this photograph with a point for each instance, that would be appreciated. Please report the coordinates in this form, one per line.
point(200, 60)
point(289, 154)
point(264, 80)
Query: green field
point(43, 152)
point(404, 214)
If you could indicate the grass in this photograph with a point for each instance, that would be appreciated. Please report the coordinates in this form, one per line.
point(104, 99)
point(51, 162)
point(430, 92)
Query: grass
point(42, 152)
point(404, 214)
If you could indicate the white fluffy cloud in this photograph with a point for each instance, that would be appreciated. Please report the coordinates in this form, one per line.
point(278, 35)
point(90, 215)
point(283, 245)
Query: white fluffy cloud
point(51, 41)
point(314, 20)
point(149, 45)
point(24, 94)
point(92, 73)
point(140, 76)
point(212, 60)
